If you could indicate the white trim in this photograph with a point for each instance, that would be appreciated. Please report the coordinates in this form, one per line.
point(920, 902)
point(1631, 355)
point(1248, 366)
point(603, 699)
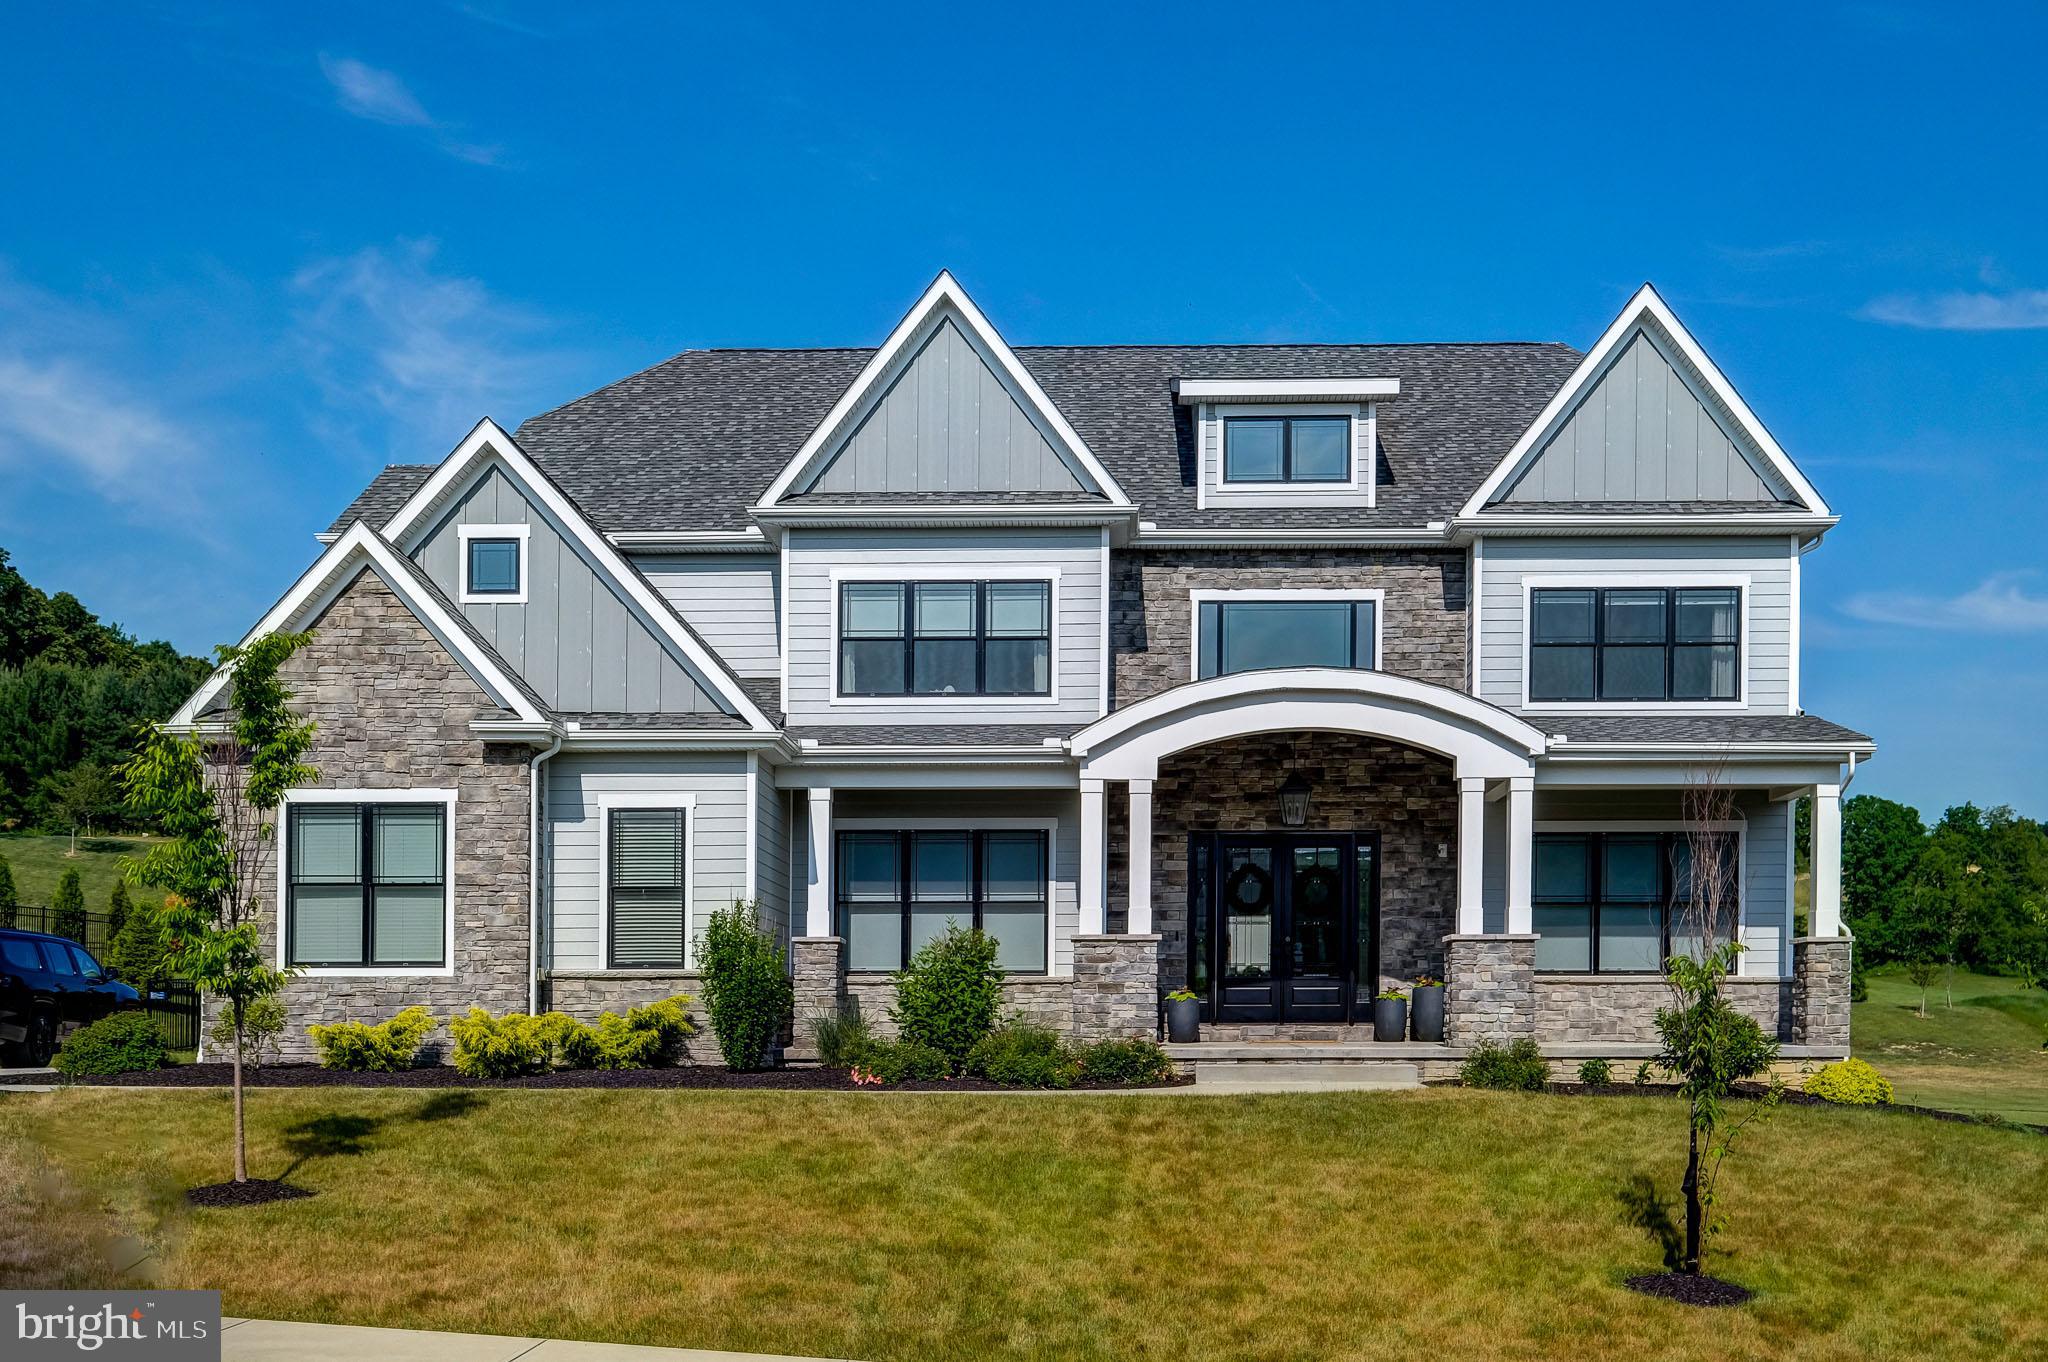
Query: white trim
point(1049, 826)
point(1738, 827)
point(1151, 535)
point(944, 293)
point(1533, 582)
point(1282, 595)
point(749, 540)
point(1189, 391)
point(322, 795)
point(1049, 575)
point(782, 624)
point(1363, 427)
point(752, 879)
point(465, 533)
point(608, 801)
point(1645, 305)
point(1203, 415)
point(1473, 588)
point(1102, 637)
point(1792, 658)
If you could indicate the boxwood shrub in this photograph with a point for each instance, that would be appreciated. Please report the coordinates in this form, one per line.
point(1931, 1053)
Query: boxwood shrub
point(1518, 1067)
point(1850, 1082)
point(1021, 1055)
point(1124, 1061)
point(119, 1043)
point(897, 1061)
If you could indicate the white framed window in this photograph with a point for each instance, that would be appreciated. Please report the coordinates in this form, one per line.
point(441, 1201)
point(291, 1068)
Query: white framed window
point(366, 882)
point(1606, 642)
point(493, 563)
point(961, 638)
point(1287, 454)
point(1614, 897)
point(1250, 629)
point(899, 883)
point(647, 874)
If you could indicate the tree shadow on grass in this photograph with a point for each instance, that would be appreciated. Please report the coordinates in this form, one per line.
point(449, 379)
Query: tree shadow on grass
point(1644, 1207)
point(346, 1136)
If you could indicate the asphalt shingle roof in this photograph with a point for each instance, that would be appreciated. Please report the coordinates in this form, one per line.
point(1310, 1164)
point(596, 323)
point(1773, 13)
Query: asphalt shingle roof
point(934, 735)
point(1733, 729)
point(388, 491)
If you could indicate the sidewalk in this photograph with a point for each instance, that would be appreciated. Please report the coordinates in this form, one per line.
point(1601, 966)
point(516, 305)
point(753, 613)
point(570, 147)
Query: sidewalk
point(274, 1340)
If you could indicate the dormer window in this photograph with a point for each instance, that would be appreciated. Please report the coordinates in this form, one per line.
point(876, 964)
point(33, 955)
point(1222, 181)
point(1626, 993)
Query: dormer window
point(1264, 443)
point(493, 564)
point(1287, 449)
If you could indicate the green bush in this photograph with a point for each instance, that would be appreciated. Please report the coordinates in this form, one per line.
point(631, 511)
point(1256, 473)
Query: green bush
point(747, 990)
point(1124, 1061)
point(10, 899)
point(1519, 1067)
point(386, 1047)
point(118, 909)
point(505, 1047)
point(1021, 1055)
point(1596, 1073)
point(842, 1039)
point(646, 1036)
point(1851, 1082)
point(948, 996)
point(1642, 1078)
point(67, 908)
point(900, 1060)
point(119, 1043)
point(137, 951)
point(262, 1027)
point(518, 1043)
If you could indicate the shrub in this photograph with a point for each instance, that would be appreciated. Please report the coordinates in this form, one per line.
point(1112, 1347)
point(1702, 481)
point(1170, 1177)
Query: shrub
point(118, 909)
point(1642, 1079)
point(10, 900)
point(1021, 1055)
point(507, 1046)
point(645, 1036)
point(1125, 1061)
point(1596, 1073)
point(67, 908)
point(948, 996)
point(386, 1047)
point(900, 1060)
point(747, 990)
point(1851, 1082)
point(843, 1039)
point(137, 951)
point(262, 1027)
point(119, 1043)
point(1519, 1067)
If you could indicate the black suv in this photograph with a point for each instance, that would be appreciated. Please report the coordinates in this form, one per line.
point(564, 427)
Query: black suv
point(49, 987)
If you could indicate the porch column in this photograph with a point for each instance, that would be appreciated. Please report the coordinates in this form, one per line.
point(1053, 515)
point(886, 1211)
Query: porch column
point(1094, 886)
point(818, 899)
point(1521, 853)
point(1827, 861)
point(1139, 916)
point(1471, 855)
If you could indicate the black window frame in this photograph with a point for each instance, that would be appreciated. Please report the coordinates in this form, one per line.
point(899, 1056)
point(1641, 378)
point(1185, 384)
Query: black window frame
point(1595, 842)
point(1287, 476)
point(367, 885)
point(977, 885)
point(469, 586)
point(907, 626)
point(1598, 645)
point(1212, 622)
point(682, 815)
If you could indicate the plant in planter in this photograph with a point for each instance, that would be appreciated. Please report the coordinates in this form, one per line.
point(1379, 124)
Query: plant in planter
point(1390, 1015)
point(1429, 1008)
point(1183, 1017)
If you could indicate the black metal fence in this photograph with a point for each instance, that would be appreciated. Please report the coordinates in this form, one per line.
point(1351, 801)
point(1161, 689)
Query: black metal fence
point(176, 1009)
point(30, 918)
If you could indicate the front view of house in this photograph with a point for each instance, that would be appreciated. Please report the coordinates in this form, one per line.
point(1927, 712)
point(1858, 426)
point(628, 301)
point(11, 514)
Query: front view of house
point(1278, 673)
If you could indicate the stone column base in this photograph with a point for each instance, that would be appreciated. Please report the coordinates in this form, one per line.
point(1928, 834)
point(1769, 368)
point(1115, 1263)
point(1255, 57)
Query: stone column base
point(1116, 987)
point(1489, 988)
point(1820, 992)
point(818, 966)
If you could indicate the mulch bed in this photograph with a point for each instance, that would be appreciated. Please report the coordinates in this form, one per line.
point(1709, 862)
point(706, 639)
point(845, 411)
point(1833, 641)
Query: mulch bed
point(694, 1076)
point(254, 1192)
point(1688, 1289)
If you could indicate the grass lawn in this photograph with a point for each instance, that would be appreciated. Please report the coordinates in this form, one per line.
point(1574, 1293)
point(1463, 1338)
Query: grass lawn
point(1984, 1054)
point(38, 862)
point(1442, 1223)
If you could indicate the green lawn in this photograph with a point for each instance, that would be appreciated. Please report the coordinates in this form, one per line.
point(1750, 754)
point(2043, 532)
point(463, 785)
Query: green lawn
point(1441, 1223)
point(38, 862)
point(1984, 1054)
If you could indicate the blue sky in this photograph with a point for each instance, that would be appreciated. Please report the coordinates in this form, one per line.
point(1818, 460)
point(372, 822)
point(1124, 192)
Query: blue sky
point(249, 255)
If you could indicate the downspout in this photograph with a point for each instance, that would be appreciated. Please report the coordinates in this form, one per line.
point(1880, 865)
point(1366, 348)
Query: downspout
point(533, 873)
point(1850, 779)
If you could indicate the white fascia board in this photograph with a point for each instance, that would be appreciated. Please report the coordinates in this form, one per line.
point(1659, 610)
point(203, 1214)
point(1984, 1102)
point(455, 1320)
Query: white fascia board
point(796, 515)
point(1169, 537)
point(1508, 525)
point(489, 440)
point(1646, 304)
point(1194, 390)
point(749, 540)
point(945, 291)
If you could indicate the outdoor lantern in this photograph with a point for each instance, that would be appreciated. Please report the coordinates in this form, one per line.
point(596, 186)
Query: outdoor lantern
point(1294, 801)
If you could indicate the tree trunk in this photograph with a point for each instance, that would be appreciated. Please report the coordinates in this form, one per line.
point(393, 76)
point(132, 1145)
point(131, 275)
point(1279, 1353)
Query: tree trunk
point(1948, 984)
point(1691, 1262)
point(241, 1134)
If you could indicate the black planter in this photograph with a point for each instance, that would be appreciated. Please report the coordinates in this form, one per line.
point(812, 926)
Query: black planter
point(1390, 1019)
point(1183, 1020)
point(1429, 1013)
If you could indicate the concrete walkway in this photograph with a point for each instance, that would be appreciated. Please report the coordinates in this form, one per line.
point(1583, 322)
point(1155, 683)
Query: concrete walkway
point(276, 1340)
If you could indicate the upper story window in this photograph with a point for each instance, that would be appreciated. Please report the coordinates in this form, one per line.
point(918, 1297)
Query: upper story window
point(1635, 643)
point(366, 885)
point(493, 564)
point(945, 638)
point(1286, 449)
point(1306, 629)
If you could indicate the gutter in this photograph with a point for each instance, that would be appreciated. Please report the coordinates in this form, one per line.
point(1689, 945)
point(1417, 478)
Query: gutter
point(533, 873)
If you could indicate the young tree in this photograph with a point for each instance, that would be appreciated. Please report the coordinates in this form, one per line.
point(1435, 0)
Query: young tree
point(137, 952)
point(67, 908)
point(216, 798)
point(10, 902)
point(81, 795)
point(118, 909)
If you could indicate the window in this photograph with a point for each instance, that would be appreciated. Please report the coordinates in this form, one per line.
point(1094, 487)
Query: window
point(1240, 636)
point(493, 564)
point(21, 954)
point(898, 890)
point(1616, 902)
point(367, 885)
point(1635, 643)
point(1287, 449)
point(945, 638)
point(647, 889)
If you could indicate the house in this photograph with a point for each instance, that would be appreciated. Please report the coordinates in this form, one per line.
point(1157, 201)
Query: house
point(1276, 672)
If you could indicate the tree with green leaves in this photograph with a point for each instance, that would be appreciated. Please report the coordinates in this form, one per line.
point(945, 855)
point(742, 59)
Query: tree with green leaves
point(81, 796)
point(1881, 843)
point(137, 952)
point(118, 908)
point(216, 796)
point(67, 908)
point(10, 901)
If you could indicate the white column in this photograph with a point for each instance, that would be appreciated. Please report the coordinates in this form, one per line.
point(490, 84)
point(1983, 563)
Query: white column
point(1471, 855)
point(1521, 851)
point(818, 904)
point(1139, 919)
point(1827, 862)
point(1094, 857)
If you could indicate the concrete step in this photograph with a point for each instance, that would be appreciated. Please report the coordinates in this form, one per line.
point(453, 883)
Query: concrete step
point(1297, 1051)
point(1308, 1075)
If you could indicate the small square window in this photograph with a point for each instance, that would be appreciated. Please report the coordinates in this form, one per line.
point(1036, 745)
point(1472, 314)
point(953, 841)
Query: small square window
point(493, 567)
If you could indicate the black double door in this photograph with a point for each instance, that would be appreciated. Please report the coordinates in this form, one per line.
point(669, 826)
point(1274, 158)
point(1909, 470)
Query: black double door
point(1291, 920)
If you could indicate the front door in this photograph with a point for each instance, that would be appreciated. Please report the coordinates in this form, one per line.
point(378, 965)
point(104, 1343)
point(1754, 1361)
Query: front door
point(1286, 914)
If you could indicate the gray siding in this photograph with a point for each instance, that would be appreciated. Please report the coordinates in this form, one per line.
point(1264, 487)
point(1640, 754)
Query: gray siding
point(1077, 617)
point(771, 855)
point(732, 600)
point(1768, 562)
point(1215, 493)
point(576, 640)
point(1643, 433)
point(948, 423)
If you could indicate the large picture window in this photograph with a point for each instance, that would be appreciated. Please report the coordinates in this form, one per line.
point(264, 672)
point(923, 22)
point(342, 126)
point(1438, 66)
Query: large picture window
point(898, 890)
point(1286, 449)
point(1635, 643)
point(1242, 636)
point(945, 638)
point(646, 888)
point(1616, 902)
point(366, 885)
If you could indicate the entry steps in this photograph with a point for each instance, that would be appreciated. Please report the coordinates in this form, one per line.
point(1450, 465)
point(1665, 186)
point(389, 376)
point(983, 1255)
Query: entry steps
point(1312, 1066)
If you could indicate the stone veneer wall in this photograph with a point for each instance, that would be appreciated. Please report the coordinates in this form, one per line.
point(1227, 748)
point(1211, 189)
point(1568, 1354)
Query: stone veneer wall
point(1820, 992)
point(1042, 999)
point(1489, 988)
point(1592, 1008)
point(1116, 987)
point(1151, 623)
point(585, 993)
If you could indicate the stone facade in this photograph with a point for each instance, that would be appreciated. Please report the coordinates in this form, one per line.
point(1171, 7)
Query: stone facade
point(1151, 624)
point(817, 964)
point(583, 994)
point(1116, 987)
point(1041, 999)
point(1820, 992)
point(1489, 988)
point(1591, 1008)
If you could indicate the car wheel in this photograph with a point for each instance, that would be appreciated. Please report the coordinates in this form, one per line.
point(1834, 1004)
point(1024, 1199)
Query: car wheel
point(42, 1040)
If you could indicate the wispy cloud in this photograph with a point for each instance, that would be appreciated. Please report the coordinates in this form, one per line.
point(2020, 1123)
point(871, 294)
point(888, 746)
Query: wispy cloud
point(2000, 604)
point(383, 97)
point(2017, 310)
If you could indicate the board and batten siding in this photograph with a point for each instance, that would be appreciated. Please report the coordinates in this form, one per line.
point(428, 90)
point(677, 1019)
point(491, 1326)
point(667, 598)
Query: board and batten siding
point(1768, 562)
point(575, 638)
point(771, 854)
point(956, 555)
point(732, 600)
point(717, 832)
